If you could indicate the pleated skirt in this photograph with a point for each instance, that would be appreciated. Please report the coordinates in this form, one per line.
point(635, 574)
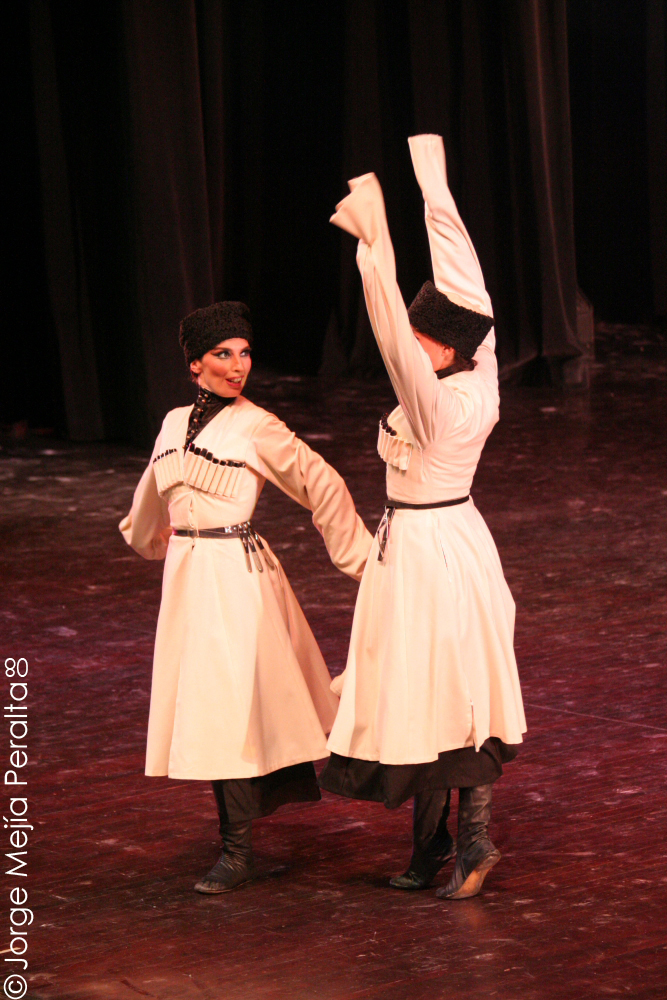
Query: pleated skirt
point(431, 666)
point(240, 688)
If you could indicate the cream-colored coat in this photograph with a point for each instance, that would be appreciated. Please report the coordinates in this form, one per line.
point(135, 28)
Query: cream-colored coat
point(239, 684)
point(431, 664)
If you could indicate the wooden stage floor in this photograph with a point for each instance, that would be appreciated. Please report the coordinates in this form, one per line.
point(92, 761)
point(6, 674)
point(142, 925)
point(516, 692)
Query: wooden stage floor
point(574, 490)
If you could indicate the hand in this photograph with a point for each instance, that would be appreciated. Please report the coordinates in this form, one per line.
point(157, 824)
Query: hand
point(428, 160)
point(362, 212)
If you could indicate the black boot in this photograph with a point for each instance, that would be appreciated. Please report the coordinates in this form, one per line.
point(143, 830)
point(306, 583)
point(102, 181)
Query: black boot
point(432, 844)
point(235, 865)
point(476, 855)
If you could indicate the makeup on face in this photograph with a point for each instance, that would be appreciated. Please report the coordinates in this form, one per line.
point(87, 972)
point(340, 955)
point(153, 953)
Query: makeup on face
point(224, 370)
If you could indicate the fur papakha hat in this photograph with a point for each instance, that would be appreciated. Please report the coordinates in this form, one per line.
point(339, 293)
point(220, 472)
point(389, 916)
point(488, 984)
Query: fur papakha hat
point(435, 315)
point(203, 329)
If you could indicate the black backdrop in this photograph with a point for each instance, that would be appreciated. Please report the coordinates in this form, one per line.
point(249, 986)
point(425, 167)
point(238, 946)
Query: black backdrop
point(173, 152)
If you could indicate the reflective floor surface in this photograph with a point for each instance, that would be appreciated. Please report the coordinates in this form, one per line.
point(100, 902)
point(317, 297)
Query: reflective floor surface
point(574, 489)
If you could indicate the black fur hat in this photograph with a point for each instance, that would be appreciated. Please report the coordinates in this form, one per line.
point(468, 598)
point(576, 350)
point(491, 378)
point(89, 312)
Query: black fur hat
point(435, 315)
point(203, 329)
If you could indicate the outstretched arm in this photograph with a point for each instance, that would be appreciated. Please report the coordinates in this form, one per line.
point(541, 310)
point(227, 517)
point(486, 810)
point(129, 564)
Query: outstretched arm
point(304, 476)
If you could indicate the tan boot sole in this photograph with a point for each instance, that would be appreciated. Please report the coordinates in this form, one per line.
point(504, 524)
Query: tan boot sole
point(473, 883)
point(203, 886)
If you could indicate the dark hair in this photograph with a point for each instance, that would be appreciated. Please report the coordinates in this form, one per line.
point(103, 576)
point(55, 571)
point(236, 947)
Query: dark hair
point(459, 364)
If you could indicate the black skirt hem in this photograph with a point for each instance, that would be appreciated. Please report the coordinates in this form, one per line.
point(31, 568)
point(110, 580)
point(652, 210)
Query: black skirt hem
point(242, 799)
point(394, 784)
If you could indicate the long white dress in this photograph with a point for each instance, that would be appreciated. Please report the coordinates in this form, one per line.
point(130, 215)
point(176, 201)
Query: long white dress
point(431, 664)
point(240, 688)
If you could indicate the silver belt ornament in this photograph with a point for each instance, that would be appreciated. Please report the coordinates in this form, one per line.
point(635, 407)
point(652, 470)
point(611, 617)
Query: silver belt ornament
point(249, 538)
point(384, 527)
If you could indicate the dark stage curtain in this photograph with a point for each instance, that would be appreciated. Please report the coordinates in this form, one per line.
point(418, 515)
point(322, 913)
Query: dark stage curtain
point(31, 394)
point(127, 224)
point(493, 80)
point(188, 151)
point(192, 150)
point(619, 128)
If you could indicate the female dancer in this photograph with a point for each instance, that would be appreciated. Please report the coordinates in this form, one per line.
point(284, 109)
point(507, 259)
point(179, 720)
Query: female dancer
point(430, 697)
point(240, 692)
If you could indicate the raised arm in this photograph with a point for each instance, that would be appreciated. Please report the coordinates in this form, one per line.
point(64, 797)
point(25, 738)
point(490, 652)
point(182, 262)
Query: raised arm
point(456, 268)
point(425, 404)
point(304, 476)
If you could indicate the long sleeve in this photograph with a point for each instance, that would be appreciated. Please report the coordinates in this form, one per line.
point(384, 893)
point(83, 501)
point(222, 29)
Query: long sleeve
point(146, 528)
point(456, 268)
point(303, 475)
point(428, 404)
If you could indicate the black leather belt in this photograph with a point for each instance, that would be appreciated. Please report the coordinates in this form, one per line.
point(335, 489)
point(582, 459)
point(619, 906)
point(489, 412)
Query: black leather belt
point(234, 531)
point(245, 531)
point(399, 505)
point(392, 506)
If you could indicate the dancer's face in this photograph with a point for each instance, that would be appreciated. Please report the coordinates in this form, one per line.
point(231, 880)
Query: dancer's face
point(225, 369)
point(439, 354)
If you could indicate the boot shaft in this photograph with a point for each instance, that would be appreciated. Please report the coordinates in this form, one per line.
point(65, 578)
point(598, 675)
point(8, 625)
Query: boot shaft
point(430, 812)
point(237, 840)
point(474, 815)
